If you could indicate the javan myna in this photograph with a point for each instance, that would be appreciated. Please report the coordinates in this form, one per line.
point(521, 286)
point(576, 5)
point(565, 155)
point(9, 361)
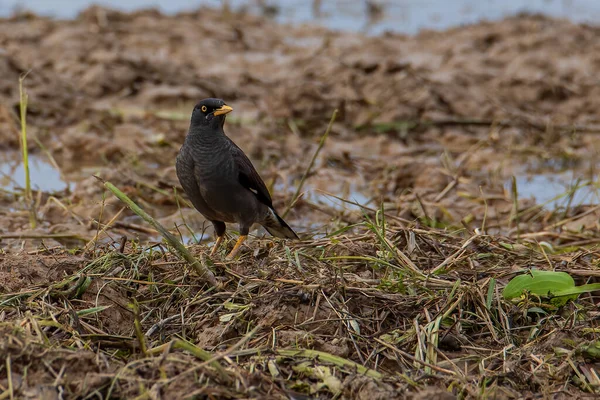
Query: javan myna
point(221, 181)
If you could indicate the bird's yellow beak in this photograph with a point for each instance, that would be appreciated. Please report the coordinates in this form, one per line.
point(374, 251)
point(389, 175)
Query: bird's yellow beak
point(223, 110)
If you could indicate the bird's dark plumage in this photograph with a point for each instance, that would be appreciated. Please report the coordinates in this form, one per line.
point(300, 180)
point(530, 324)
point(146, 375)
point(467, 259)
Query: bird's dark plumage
point(221, 181)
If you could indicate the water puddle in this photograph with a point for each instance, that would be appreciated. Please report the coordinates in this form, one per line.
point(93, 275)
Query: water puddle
point(331, 191)
point(338, 201)
point(374, 17)
point(42, 174)
point(556, 190)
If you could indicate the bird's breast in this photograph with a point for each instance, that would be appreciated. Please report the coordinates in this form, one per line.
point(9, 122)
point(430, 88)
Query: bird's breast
point(214, 168)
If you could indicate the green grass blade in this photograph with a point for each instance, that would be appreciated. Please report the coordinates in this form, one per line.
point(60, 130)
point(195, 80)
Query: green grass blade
point(23, 114)
point(91, 311)
point(201, 269)
point(311, 164)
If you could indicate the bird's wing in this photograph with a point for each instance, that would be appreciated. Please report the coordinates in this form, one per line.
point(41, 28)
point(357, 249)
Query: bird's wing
point(248, 177)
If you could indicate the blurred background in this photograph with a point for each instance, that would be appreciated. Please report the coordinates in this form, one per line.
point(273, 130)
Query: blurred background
point(449, 111)
point(372, 16)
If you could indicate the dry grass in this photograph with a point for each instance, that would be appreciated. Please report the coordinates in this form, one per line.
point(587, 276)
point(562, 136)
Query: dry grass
point(381, 311)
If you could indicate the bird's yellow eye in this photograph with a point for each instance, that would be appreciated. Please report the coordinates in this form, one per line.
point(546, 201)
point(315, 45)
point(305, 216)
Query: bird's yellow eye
point(203, 108)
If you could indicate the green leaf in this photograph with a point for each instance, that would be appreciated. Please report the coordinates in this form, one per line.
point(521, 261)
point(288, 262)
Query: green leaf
point(559, 286)
point(490, 294)
point(227, 317)
point(537, 310)
point(591, 350)
point(540, 283)
point(577, 290)
point(232, 306)
point(85, 284)
point(355, 326)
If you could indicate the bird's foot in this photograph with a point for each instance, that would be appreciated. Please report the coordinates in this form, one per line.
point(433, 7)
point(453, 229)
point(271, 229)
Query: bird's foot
point(216, 246)
point(236, 248)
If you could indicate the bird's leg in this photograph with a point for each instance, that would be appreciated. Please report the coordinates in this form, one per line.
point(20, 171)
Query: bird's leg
point(237, 246)
point(220, 232)
point(216, 245)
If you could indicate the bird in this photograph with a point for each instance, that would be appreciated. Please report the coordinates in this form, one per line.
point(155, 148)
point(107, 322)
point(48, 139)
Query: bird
point(221, 181)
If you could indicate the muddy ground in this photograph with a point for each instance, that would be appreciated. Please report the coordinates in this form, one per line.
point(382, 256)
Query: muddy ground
point(430, 128)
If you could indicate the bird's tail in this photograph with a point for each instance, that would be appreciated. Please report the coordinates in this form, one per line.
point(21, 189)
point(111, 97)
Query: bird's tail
point(277, 227)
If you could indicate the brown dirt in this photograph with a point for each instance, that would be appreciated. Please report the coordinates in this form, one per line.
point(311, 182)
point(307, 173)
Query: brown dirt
point(430, 126)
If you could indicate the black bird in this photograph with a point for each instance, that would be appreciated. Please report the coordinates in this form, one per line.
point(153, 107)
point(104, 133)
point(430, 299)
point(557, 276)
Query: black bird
point(221, 181)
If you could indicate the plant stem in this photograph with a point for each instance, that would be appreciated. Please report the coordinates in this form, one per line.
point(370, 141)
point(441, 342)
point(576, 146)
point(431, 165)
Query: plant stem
point(311, 164)
point(201, 269)
point(23, 112)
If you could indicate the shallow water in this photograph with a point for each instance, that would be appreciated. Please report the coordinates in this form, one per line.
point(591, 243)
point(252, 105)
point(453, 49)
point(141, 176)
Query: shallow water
point(405, 16)
point(354, 199)
point(43, 176)
point(555, 190)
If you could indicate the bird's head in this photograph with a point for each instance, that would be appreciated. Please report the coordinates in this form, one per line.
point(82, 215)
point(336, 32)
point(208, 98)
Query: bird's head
point(210, 113)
